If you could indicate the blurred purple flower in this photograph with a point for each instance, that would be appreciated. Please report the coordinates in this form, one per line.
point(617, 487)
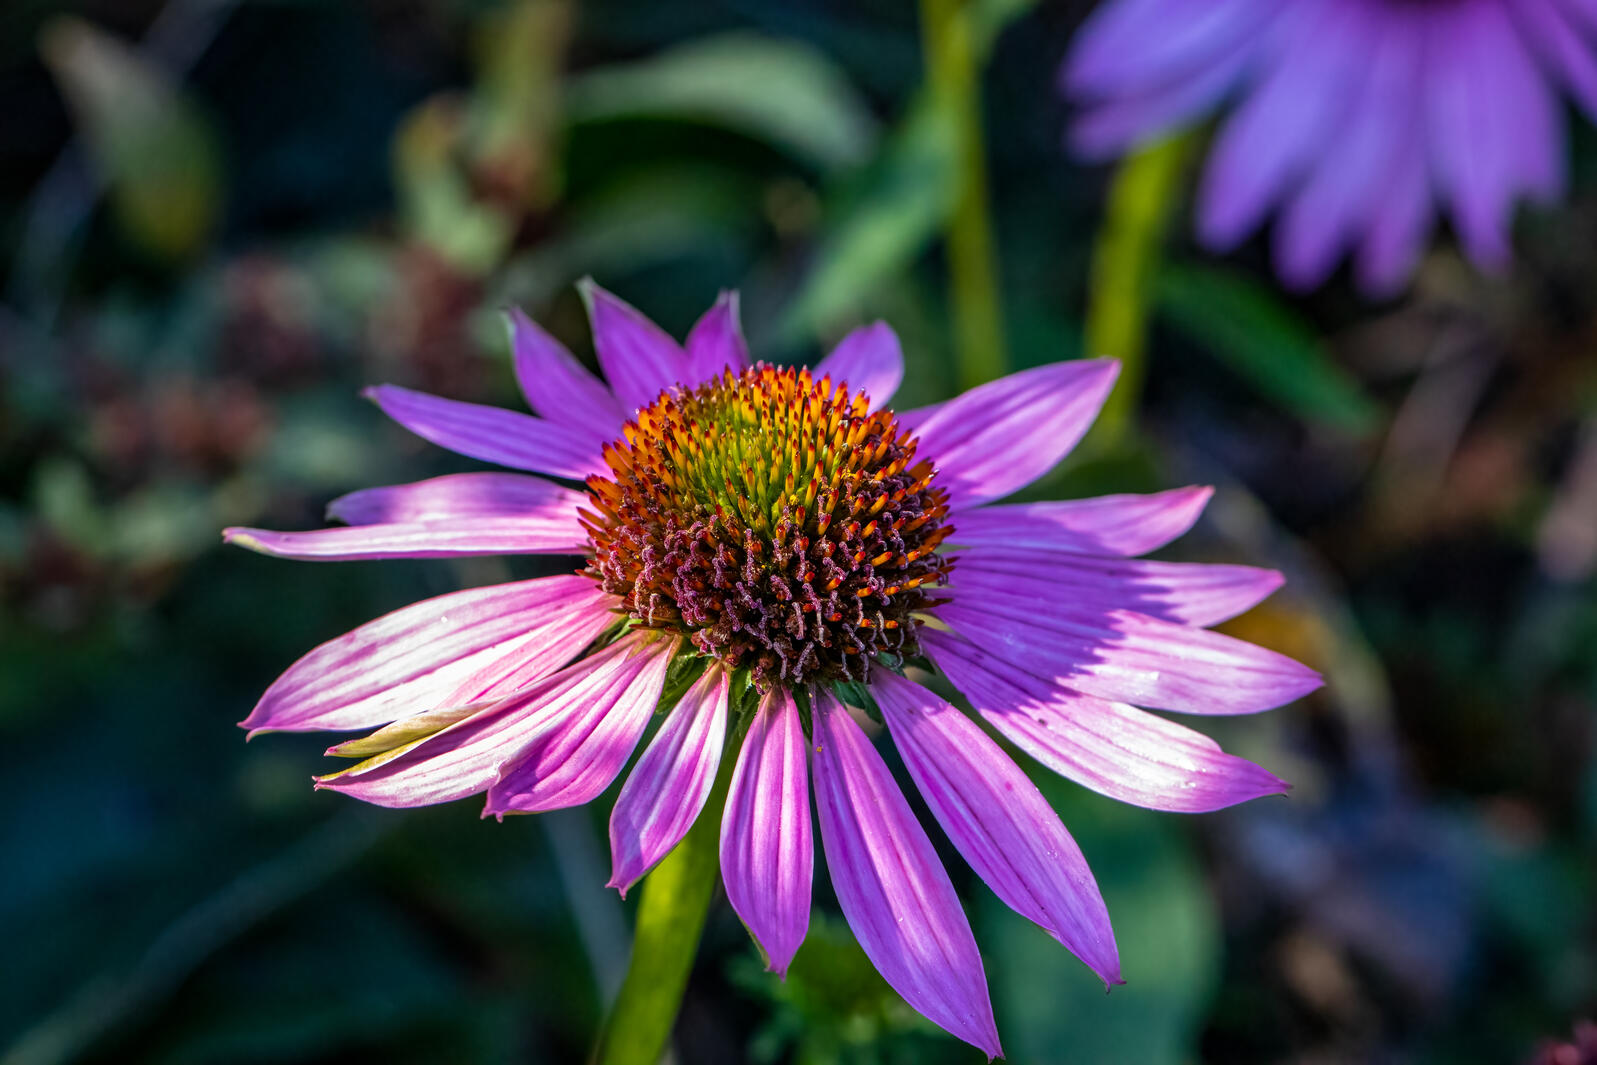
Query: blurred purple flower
point(769, 543)
point(1360, 119)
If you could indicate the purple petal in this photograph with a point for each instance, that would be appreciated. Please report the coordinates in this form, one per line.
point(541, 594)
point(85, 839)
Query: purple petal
point(767, 853)
point(1192, 593)
point(1120, 123)
point(892, 888)
point(999, 821)
point(491, 434)
point(1133, 658)
point(470, 755)
point(456, 495)
point(556, 385)
point(1397, 233)
point(1001, 436)
point(1548, 27)
point(1119, 525)
point(561, 534)
point(409, 661)
point(639, 360)
point(1134, 45)
point(587, 744)
point(870, 360)
point(1583, 12)
point(669, 785)
point(716, 343)
point(1114, 749)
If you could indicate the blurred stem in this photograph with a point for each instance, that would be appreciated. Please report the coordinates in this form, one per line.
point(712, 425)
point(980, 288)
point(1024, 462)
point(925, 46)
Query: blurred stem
point(953, 75)
point(1125, 265)
point(676, 898)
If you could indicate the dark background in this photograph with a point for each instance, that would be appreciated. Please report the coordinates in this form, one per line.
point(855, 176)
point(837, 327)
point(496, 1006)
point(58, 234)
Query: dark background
point(211, 240)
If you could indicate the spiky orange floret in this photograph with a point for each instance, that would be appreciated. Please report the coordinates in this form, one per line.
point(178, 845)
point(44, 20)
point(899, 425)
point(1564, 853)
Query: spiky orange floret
point(773, 520)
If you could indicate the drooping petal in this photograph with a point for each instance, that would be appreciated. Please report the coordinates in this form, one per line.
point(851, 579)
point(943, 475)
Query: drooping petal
point(1122, 122)
point(767, 852)
point(716, 343)
point(443, 538)
point(469, 756)
point(556, 385)
point(503, 437)
point(668, 787)
point(1133, 45)
point(1549, 27)
point(585, 747)
point(1395, 235)
point(999, 821)
point(1114, 749)
point(893, 890)
point(1035, 581)
point(870, 360)
point(1118, 525)
point(456, 495)
point(1001, 436)
point(406, 662)
point(1130, 657)
point(638, 358)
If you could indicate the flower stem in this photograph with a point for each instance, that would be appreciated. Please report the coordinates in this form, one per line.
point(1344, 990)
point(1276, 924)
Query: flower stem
point(953, 53)
point(1125, 265)
point(676, 898)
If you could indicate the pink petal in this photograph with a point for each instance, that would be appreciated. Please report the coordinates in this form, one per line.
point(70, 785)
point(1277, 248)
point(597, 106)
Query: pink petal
point(1033, 581)
point(587, 744)
point(408, 661)
point(448, 538)
point(999, 821)
point(556, 385)
point(870, 360)
point(1114, 749)
point(493, 435)
point(716, 343)
point(456, 495)
point(892, 888)
point(1001, 436)
point(668, 787)
point(470, 755)
point(1118, 525)
point(767, 853)
point(1133, 658)
point(639, 360)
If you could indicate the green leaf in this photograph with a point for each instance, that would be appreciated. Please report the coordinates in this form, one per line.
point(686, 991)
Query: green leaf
point(1260, 338)
point(782, 92)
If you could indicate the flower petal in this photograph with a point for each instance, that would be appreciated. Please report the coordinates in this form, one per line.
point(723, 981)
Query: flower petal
point(1114, 749)
point(1548, 26)
point(639, 360)
point(556, 385)
point(1133, 658)
point(999, 821)
point(451, 538)
point(406, 662)
point(504, 437)
point(892, 888)
point(767, 852)
point(870, 360)
point(1118, 525)
point(668, 787)
point(587, 744)
point(1192, 593)
point(1119, 123)
point(1133, 45)
point(716, 343)
point(457, 495)
point(1001, 436)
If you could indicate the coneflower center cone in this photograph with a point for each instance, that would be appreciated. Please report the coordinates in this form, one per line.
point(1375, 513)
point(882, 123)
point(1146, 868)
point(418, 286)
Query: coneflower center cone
point(774, 521)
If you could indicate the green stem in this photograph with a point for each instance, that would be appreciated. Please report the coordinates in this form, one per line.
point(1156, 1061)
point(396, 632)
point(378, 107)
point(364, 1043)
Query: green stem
point(676, 898)
point(953, 52)
point(1125, 266)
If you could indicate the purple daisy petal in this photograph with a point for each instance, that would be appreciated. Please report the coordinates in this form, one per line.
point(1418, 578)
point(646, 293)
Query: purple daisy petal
point(1123, 122)
point(456, 495)
point(999, 821)
point(767, 852)
point(716, 343)
point(1192, 593)
point(870, 360)
point(639, 360)
point(1584, 12)
point(1134, 45)
point(503, 437)
point(1549, 26)
point(893, 890)
point(1114, 749)
point(527, 534)
point(412, 659)
point(556, 385)
point(1117, 526)
point(1130, 657)
point(999, 437)
point(668, 787)
point(1402, 218)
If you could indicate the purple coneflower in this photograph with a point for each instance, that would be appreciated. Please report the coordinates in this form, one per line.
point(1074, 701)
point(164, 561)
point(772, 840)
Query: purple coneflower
point(1359, 118)
point(770, 546)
